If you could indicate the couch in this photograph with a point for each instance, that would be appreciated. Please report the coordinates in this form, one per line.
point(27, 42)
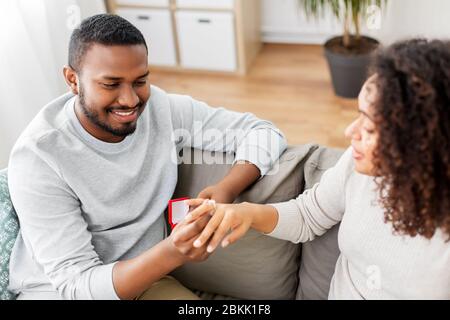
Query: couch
point(257, 266)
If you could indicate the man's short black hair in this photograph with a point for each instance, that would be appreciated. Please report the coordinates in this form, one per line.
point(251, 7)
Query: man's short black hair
point(105, 29)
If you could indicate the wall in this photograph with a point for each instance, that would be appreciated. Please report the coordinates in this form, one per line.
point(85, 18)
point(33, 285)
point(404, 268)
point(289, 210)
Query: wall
point(34, 36)
point(283, 21)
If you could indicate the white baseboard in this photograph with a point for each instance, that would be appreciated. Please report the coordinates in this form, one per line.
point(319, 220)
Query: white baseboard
point(271, 35)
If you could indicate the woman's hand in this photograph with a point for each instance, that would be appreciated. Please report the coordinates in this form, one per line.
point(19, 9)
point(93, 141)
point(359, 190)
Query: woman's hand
point(228, 223)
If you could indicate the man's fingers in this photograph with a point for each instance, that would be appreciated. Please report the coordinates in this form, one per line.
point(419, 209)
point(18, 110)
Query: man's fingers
point(209, 229)
point(204, 194)
point(190, 230)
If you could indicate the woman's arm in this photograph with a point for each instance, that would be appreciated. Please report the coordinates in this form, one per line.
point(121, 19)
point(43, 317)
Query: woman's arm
point(311, 214)
point(237, 217)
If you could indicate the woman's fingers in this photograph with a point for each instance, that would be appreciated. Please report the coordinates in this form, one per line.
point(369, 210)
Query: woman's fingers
point(210, 228)
point(220, 232)
point(185, 231)
point(235, 235)
point(194, 202)
point(205, 206)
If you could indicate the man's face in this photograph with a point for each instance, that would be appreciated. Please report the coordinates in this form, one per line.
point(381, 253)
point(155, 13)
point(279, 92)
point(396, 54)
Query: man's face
point(113, 90)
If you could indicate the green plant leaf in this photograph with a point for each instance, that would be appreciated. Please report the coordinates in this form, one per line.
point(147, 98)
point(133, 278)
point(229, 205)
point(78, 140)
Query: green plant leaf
point(343, 10)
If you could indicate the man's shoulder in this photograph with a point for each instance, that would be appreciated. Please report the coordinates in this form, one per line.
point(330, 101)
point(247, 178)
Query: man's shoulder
point(160, 96)
point(45, 127)
point(157, 94)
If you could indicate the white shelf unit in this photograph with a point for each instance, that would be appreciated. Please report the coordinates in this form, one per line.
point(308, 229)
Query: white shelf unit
point(150, 3)
point(204, 35)
point(205, 4)
point(202, 51)
point(156, 26)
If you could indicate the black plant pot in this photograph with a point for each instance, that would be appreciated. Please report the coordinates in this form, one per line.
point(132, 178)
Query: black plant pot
point(348, 70)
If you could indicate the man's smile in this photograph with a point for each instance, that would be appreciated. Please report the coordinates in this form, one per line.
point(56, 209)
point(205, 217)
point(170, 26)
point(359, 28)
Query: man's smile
point(125, 116)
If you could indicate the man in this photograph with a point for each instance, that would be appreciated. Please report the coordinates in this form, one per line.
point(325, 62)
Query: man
point(92, 174)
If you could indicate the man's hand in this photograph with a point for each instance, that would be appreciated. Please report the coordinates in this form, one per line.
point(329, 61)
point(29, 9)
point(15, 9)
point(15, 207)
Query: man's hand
point(219, 193)
point(182, 238)
point(134, 276)
point(241, 175)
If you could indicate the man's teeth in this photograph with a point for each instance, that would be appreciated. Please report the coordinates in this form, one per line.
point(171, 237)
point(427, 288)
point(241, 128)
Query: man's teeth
point(122, 113)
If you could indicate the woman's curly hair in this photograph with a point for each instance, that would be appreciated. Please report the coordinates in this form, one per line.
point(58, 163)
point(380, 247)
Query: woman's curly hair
point(412, 116)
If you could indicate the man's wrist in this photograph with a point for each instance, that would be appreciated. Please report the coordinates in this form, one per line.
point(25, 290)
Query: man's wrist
point(175, 258)
point(242, 175)
point(229, 187)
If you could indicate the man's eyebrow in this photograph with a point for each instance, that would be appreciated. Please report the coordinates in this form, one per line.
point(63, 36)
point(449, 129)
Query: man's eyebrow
point(144, 75)
point(112, 78)
point(121, 78)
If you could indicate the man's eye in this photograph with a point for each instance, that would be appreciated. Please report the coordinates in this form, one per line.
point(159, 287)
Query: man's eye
point(141, 83)
point(110, 85)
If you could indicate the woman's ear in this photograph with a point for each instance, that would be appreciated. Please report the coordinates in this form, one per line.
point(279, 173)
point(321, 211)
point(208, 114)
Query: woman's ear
point(71, 79)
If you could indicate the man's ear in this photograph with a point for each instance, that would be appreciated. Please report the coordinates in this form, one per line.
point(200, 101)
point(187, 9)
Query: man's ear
point(71, 79)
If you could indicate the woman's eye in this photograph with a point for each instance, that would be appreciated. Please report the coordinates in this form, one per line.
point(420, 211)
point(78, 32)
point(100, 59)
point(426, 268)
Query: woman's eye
point(369, 131)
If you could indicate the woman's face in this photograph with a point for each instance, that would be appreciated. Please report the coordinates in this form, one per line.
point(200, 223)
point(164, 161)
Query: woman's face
point(363, 132)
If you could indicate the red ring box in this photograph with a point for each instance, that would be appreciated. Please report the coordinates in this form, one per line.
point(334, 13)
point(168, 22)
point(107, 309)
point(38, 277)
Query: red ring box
point(177, 211)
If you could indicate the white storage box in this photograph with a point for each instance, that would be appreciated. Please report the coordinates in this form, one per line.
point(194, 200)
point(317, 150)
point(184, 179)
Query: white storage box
point(156, 26)
point(207, 40)
point(155, 3)
point(213, 4)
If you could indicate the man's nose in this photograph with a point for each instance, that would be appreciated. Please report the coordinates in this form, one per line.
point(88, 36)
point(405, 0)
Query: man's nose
point(128, 97)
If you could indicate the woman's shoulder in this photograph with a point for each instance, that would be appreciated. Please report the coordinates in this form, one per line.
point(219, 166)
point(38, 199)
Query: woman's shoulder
point(346, 164)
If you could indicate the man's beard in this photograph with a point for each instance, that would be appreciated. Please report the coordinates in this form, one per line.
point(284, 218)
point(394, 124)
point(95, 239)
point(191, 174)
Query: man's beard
point(92, 115)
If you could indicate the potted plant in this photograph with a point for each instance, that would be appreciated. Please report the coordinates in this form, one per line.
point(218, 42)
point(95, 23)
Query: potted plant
point(348, 55)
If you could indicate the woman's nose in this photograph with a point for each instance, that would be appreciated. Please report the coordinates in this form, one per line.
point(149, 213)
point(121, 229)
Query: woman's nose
point(352, 132)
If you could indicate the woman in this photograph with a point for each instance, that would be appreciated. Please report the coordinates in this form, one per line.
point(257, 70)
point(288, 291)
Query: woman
point(390, 190)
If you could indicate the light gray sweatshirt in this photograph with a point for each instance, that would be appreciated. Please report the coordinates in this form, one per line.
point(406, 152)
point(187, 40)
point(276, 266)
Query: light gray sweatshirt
point(374, 263)
point(84, 204)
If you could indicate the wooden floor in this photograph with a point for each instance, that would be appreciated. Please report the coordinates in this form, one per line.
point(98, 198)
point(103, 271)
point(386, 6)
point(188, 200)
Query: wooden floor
point(287, 84)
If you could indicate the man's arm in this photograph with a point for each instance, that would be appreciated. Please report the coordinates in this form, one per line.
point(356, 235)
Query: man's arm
point(240, 176)
point(132, 277)
point(58, 236)
point(257, 144)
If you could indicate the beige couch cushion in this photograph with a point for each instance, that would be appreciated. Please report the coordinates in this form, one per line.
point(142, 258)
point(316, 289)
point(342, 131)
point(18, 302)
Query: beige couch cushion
point(257, 266)
point(320, 255)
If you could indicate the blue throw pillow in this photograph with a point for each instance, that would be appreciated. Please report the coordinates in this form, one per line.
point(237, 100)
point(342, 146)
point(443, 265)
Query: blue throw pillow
point(9, 228)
